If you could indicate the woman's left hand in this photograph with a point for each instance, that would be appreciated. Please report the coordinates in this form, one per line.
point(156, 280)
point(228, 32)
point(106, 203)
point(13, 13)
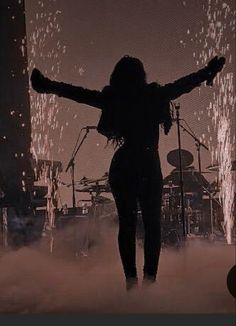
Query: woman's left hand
point(40, 83)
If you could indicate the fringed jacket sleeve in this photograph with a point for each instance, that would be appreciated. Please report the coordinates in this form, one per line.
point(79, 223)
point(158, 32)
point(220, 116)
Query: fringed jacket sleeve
point(79, 94)
point(185, 84)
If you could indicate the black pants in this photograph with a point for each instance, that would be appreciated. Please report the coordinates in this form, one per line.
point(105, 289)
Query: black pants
point(135, 176)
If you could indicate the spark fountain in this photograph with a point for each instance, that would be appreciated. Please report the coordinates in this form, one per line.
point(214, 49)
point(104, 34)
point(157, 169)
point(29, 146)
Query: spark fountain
point(215, 37)
point(44, 108)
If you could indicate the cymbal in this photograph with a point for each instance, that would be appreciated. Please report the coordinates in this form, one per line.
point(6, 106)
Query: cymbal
point(86, 181)
point(82, 182)
point(103, 178)
point(94, 188)
point(173, 158)
point(215, 167)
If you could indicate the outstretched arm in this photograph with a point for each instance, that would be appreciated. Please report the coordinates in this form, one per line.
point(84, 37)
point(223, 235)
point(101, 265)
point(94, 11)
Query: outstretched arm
point(43, 84)
point(188, 83)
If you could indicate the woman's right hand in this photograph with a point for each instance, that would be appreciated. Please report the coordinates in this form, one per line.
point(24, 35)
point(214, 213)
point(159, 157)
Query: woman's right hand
point(214, 66)
point(40, 83)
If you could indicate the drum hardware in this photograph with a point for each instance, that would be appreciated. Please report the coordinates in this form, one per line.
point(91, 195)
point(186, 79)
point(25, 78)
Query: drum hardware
point(195, 187)
point(170, 188)
point(198, 145)
point(80, 183)
point(181, 159)
point(94, 185)
point(214, 187)
point(210, 192)
point(170, 237)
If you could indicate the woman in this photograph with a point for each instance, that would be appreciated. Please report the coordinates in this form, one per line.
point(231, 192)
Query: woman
point(132, 111)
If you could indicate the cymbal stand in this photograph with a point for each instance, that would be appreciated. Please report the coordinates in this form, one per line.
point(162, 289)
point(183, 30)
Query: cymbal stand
point(71, 164)
point(185, 229)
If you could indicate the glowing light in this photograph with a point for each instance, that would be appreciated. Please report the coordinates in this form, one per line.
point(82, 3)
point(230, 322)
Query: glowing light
point(225, 174)
point(44, 120)
point(215, 40)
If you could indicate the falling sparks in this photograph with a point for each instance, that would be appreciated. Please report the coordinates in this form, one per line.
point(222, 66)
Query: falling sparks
point(225, 174)
point(46, 28)
point(213, 39)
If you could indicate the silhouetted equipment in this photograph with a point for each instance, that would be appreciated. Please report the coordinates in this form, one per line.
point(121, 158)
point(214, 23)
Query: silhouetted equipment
point(49, 168)
point(39, 196)
point(170, 188)
point(98, 189)
point(193, 180)
point(94, 185)
point(71, 163)
point(202, 207)
point(87, 181)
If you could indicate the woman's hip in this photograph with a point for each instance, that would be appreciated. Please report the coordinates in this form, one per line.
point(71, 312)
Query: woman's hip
point(132, 171)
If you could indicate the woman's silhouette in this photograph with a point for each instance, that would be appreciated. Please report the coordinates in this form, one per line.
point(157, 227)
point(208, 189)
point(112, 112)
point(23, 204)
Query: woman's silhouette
point(132, 111)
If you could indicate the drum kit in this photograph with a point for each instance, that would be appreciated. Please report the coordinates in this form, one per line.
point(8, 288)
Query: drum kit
point(93, 186)
point(203, 210)
point(201, 198)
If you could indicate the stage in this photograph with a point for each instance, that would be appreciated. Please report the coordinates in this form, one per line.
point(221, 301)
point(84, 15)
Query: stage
point(42, 278)
point(58, 218)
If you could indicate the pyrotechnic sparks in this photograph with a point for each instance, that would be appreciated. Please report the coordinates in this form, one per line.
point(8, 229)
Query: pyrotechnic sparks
point(213, 39)
point(44, 108)
point(225, 174)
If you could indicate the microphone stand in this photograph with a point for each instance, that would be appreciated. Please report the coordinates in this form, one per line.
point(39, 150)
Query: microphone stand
point(198, 146)
point(177, 108)
point(71, 165)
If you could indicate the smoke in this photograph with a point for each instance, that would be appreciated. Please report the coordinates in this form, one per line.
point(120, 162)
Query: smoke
point(190, 280)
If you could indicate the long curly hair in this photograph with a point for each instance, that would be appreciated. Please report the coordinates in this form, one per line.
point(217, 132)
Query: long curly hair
point(128, 73)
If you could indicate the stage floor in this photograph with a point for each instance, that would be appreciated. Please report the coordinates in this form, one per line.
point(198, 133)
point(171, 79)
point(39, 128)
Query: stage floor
point(40, 279)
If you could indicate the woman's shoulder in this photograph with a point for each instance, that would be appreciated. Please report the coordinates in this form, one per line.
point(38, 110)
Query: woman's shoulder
point(108, 92)
point(107, 89)
point(153, 89)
